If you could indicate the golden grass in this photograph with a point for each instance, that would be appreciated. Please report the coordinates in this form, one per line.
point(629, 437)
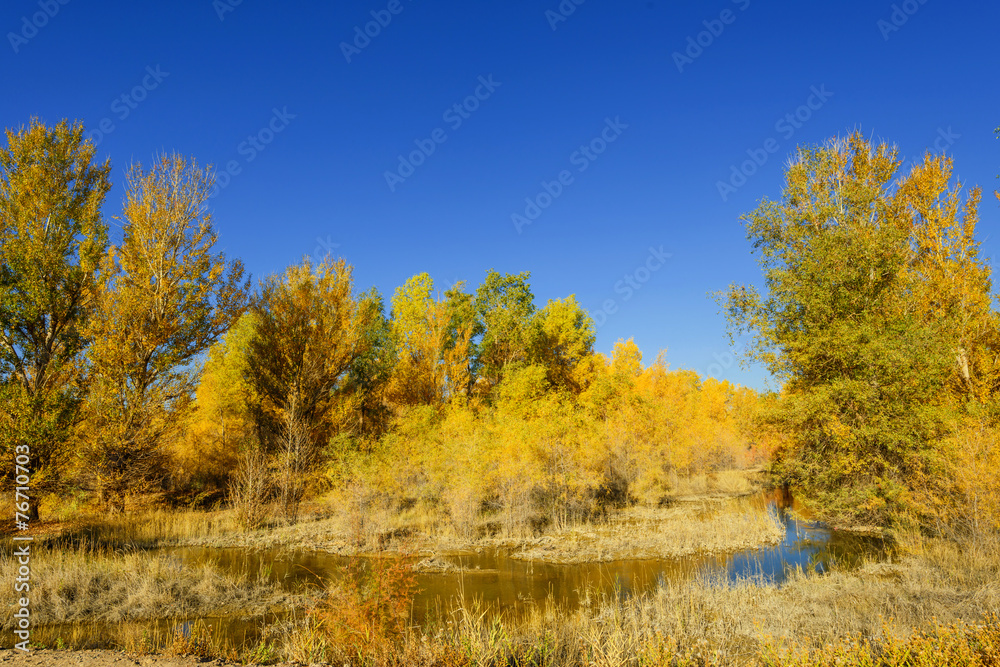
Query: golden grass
point(934, 585)
point(644, 533)
point(153, 528)
point(722, 484)
point(934, 600)
point(935, 606)
point(710, 519)
point(931, 606)
point(95, 584)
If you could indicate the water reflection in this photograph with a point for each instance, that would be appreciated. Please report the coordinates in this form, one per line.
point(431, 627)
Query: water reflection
point(505, 583)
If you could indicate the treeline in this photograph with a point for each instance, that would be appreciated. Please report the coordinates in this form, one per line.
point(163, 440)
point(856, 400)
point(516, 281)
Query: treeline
point(153, 366)
point(463, 405)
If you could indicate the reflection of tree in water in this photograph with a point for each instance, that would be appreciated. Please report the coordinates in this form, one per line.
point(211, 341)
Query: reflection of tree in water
point(808, 545)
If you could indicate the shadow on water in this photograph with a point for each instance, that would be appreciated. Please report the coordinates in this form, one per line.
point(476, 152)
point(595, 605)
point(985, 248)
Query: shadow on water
point(505, 583)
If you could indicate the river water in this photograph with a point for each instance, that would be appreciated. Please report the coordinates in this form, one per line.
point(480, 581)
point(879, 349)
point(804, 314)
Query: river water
point(501, 582)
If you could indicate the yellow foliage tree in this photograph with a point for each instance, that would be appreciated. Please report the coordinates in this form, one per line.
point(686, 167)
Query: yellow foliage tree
point(309, 331)
point(164, 298)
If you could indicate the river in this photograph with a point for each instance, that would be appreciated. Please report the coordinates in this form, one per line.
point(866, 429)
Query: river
point(501, 582)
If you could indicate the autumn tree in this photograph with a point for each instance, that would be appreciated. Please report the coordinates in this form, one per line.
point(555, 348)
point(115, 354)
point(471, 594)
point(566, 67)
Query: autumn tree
point(164, 298)
point(505, 306)
point(218, 426)
point(461, 356)
point(310, 330)
point(565, 339)
point(366, 412)
point(433, 337)
point(51, 240)
point(420, 328)
point(873, 305)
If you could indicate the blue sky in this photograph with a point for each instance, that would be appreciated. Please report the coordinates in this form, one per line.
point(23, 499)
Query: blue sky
point(590, 94)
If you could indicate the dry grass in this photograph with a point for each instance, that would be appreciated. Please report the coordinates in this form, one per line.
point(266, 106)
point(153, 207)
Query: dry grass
point(712, 622)
point(89, 584)
point(934, 607)
point(863, 616)
point(146, 529)
point(643, 533)
point(722, 484)
point(689, 528)
point(705, 517)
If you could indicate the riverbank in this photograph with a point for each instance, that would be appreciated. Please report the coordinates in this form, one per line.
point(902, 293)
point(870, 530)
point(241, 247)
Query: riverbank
point(931, 607)
point(863, 610)
point(935, 606)
point(101, 585)
point(711, 516)
point(706, 527)
point(705, 513)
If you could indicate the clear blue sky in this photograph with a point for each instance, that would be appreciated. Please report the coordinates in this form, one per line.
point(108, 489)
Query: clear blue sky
point(322, 178)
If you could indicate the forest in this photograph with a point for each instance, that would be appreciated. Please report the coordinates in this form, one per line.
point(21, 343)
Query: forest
point(164, 397)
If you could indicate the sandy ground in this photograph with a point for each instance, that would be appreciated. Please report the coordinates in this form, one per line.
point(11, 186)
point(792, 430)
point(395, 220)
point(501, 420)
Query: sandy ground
point(46, 658)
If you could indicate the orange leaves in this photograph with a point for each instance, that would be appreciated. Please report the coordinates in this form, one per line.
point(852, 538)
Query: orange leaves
point(366, 612)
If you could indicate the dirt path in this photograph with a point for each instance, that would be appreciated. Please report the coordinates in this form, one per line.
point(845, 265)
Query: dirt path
point(47, 658)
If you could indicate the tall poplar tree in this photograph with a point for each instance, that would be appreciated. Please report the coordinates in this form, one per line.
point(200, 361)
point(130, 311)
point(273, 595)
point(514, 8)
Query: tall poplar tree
point(310, 331)
point(165, 297)
point(51, 240)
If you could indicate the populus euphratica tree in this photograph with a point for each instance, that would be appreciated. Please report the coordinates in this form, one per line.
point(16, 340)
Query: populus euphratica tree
point(310, 330)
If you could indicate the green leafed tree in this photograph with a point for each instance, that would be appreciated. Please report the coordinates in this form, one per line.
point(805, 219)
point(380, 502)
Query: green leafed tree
point(370, 372)
point(51, 239)
point(874, 302)
point(464, 330)
point(505, 306)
